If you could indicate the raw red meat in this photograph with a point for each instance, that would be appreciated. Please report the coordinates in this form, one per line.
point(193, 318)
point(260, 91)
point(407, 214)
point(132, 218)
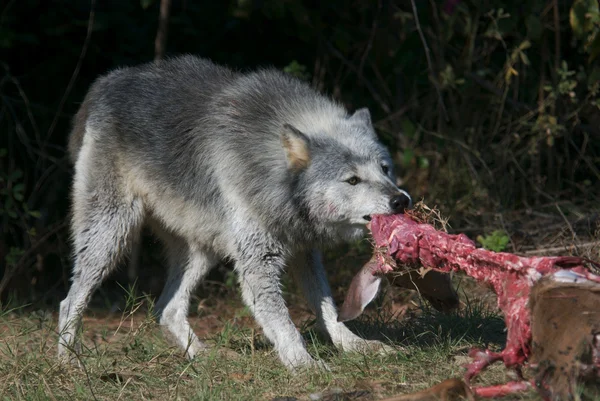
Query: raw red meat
point(401, 240)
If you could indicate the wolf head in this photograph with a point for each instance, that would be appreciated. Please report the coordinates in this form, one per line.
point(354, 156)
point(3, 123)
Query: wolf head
point(343, 174)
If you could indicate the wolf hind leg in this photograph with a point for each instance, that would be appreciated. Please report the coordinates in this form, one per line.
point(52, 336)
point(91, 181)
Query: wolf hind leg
point(104, 227)
point(188, 265)
point(307, 270)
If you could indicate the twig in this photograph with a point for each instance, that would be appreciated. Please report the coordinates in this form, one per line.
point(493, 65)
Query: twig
point(462, 145)
point(512, 244)
point(36, 192)
point(590, 129)
point(86, 44)
point(555, 249)
point(363, 59)
point(163, 29)
point(5, 11)
point(490, 87)
point(27, 107)
point(9, 273)
point(526, 176)
point(380, 78)
point(574, 236)
point(541, 96)
point(590, 164)
point(429, 63)
point(384, 106)
point(503, 101)
point(470, 165)
point(556, 43)
point(317, 81)
point(87, 375)
point(401, 111)
point(48, 390)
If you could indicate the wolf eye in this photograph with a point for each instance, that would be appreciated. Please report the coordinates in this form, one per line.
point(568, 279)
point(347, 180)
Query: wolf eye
point(353, 180)
point(385, 169)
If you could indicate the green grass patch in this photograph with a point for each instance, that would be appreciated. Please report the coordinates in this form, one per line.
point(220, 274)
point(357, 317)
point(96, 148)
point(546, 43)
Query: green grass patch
point(126, 358)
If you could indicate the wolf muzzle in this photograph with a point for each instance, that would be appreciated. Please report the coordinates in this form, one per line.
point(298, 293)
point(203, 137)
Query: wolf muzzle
point(399, 203)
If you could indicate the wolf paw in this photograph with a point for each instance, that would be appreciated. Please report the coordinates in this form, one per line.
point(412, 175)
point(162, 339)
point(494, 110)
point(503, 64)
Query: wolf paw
point(298, 359)
point(368, 346)
point(68, 354)
point(316, 365)
point(347, 341)
point(69, 358)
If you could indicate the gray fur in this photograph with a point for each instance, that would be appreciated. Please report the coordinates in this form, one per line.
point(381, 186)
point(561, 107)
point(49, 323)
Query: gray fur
point(251, 167)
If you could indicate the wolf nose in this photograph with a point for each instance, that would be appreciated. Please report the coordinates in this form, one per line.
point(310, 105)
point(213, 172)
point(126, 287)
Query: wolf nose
point(400, 202)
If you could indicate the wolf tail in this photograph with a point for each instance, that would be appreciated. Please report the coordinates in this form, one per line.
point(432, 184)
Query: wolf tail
point(78, 130)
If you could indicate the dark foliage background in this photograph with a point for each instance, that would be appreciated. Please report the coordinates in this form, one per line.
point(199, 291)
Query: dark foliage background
point(488, 106)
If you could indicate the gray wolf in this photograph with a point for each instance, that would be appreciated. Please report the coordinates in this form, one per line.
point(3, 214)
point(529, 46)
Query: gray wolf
point(254, 167)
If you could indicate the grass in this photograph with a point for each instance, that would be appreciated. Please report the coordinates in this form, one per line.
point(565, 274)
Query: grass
point(127, 358)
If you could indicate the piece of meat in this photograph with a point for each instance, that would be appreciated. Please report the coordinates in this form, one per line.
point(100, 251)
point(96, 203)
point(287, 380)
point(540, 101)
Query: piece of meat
point(448, 390)
point(401, 241)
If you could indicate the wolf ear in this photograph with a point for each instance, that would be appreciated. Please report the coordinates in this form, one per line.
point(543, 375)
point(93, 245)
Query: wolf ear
point(296, 146)
point(362, 115)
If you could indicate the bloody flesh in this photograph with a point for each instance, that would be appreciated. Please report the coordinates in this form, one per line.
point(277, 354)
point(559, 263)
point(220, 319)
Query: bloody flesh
point(401, 240)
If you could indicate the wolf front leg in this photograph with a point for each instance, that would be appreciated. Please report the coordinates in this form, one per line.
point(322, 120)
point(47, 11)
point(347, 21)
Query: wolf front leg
point(309, 273)
point(259, 270)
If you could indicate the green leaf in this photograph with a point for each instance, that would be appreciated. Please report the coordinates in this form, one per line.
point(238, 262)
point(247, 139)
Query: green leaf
point(496, 241)
point(34, 213)
point(296, 69)
point(506, 23)
point(534, 27)
point(13, 255)
point(19, 187)
point(581, 16)
point(15, 175)
point(407, 157)
point(3, 152)
point(146, 3)
point(593, 76)
point(525, 45)
point(593, 47)
point(577, 19)
point(408, 128)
